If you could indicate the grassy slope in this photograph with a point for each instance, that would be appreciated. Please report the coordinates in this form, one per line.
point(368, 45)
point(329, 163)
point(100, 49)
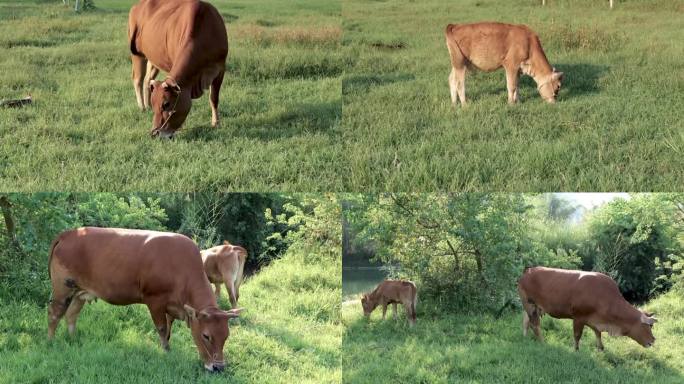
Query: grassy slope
point(618, 125)
point(479, 349)
point(290, 332)
point(280, 103)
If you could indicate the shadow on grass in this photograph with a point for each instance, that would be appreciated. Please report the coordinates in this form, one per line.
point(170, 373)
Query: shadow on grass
point(363, 83)
point(305, 118)
point(578, 80)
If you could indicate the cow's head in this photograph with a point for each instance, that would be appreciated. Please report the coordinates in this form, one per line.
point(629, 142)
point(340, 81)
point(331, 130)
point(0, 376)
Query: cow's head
point(209, 328)
point(642, 332)
point(170, 106)
point(367, 305)
point(550, 86)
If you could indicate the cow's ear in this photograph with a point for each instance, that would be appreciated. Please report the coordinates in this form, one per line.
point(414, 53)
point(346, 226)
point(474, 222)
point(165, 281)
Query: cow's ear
point(558, 76)
point(190, 312)
point(225, 242)
point(235, 312)
point(171, 85)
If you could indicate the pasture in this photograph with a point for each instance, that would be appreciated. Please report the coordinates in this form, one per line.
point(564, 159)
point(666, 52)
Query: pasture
point(476, 348)
point(290, 331)
point(280, 105)
point(617, 124)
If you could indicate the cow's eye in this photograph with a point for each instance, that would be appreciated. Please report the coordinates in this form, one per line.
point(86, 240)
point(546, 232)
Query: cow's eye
point(206, 337)
point(165, 105)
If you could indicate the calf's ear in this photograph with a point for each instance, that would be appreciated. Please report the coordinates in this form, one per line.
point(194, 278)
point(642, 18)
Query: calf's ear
point(558, 75)
point(171, 84)
point(153, 84)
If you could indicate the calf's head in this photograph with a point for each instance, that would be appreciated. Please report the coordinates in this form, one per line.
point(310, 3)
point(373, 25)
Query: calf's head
point(368, 305)
point(641, 331)
point(550, 86)
point(209, 329)
point(170, 106)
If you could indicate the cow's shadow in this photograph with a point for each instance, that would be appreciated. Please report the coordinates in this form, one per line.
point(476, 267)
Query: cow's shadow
point(301, 120)
point(578, 80)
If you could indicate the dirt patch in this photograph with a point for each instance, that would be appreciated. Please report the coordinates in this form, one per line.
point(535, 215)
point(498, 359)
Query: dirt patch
point(265, 36)
point(388, 46)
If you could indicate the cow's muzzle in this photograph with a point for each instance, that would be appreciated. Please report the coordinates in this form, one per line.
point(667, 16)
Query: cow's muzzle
point(159, 133)
point(215, 367)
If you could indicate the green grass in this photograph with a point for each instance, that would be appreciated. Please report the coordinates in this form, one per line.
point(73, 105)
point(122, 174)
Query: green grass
point(280, 104)
point(617, 125)
point(448, 348)
point(290, 332)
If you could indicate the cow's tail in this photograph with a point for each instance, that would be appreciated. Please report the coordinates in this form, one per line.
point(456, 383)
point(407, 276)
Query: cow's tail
point(452, 46)
point(52, 250)
point(415, 299)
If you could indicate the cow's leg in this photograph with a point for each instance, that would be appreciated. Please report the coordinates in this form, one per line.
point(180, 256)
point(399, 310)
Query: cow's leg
point(526, 322)
point(577, 328)
point(158, 313)
point(214, 91)
point(217, 291)
point(138, 74)
point(512, 76)
point(410, 315)
point(231, 294)
point(535, 321)
point(169, 326)
point(394, 311)
point(72, 313)
point(63, 291)
point(150, 74)
point(384, 310)
point(457, 85)
point(599, 342)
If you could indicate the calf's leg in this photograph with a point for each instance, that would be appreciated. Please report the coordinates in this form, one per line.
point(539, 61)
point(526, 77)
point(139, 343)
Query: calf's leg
point(158, 313)
point(63, 290)
point(512, 85)
point(218, 290)
point(457, 85)
point(138, 73)
point(526, 322)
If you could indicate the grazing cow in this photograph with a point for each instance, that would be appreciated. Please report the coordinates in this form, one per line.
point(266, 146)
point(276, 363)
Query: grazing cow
point(126, 266)
point(225, 264)
point(188, 40)
point(392, 292)
point(490, 46)
point(588, 298)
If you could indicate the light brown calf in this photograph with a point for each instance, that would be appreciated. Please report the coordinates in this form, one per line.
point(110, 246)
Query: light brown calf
point(392, 292)
point(225, 264)
point(490, 46)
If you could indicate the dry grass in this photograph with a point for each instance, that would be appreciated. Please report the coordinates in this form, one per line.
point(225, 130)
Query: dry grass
point(329, 35)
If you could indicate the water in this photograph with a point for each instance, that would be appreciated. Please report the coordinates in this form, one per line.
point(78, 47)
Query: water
point(360, 279)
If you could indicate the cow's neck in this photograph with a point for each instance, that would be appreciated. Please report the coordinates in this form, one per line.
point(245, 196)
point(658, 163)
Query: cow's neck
point(201, 296)
point(624, 314)
point(538, 66)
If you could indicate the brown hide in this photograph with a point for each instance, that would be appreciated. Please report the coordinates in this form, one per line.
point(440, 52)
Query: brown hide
point(392, 292)
point(489, 46)
point(588, 298)
point(225, 264)
point(188, 40)
point(126, 266)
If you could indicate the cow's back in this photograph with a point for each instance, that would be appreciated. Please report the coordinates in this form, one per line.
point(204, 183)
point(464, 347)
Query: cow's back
point(568, 293)
point(168, 29)
point(121, 265)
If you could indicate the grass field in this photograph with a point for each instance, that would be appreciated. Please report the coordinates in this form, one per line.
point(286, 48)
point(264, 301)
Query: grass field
point(447, 348)
point(290, 332)
point(617, 125)
point(280, 104)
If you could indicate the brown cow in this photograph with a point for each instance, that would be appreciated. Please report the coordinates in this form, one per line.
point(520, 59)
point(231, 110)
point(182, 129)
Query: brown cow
point(188, 40)
point(225, 264)
point(392, 292)
point(588, 298)
point(127, 266)
point(490, 46)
